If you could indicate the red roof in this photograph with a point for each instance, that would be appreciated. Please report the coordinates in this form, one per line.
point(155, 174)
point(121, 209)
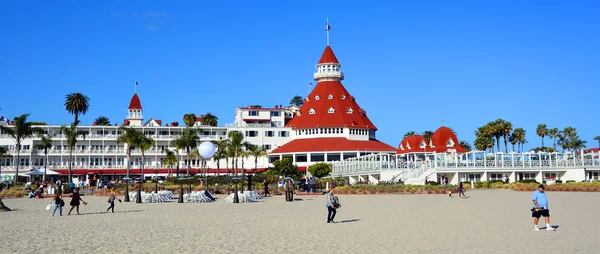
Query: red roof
point(346, 112)
point(159, 122)
point(328, 56)
point(332, 144)
point(440, 140)
point(151, 171)
point(135, 102)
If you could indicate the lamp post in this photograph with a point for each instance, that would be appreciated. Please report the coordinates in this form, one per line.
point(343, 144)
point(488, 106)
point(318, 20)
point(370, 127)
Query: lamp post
point(207, 149)
point(181, 180)
point(235, 180)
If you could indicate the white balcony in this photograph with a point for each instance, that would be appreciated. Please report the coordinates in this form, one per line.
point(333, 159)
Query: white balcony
point(329, 74)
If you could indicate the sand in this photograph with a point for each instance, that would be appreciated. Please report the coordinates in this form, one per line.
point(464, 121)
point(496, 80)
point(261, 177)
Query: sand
point(490, 221)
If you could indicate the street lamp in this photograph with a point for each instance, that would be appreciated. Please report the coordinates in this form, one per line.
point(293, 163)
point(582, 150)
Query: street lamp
point(235, 180)
point(207, 149)
point(181, 181)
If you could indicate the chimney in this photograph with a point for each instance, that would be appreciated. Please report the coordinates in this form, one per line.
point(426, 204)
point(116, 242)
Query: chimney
point(280, 106)
point(250, 107)
point(12, 122)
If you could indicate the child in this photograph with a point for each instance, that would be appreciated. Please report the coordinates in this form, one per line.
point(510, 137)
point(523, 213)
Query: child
point(461, 194)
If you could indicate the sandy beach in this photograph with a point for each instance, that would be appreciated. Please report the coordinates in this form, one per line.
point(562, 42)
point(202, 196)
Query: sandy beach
point(491, 221)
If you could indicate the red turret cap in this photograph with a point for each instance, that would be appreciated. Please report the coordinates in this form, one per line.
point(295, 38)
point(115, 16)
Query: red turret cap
point(328, 56)
point(135, 102)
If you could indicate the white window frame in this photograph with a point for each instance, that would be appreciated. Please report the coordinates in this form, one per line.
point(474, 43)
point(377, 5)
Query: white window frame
point(312, 111)
point(330, 97)
point(349, 111)
point(331, 110)
point(317, 98)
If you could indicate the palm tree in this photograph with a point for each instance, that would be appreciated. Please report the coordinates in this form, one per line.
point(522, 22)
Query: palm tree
point(427, 135)
point(45, 144)
point(597, 138)
point(145, 143)
point(483, 141)
point(541, 131)
point(518, 137)
point(257, 151)
point(577, 144)
point(465, 145)
point(131, 138)
point(220, 153)
point(554, 134)
point(209, 119)
point(236, 142)
point(507, 129)
point(102, 121)
point(179, 145)
point(71, 134)
point(498, 130)
point(188, 140)
point(170, 160)
point(410, 133)
point(76, 104)
point(196, 154)
point(19, 131)
point(3, 153)
point(189, 119)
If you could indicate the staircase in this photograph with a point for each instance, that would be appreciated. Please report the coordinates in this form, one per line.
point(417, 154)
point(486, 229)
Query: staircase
point(418, 174)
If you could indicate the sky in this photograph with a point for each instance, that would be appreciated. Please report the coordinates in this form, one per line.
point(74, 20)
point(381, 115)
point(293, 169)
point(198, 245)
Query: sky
point(413, 65)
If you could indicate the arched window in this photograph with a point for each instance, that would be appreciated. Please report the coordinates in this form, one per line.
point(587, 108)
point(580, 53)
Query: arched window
point(331, 110)
point(312, 111)
point(349, 111)
point(330, 97)
point(317, 97)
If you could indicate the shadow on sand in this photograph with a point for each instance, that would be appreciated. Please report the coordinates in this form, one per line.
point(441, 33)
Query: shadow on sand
point(348, 221)
point(94, 213)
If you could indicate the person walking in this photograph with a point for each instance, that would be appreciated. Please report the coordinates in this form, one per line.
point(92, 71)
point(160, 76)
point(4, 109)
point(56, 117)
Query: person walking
point(111, 200)
point(75, 198)
point(58, 203)
point(311, 185)
point(266, 186)
point(540, 208)
point(460, 189)
point(331, 206)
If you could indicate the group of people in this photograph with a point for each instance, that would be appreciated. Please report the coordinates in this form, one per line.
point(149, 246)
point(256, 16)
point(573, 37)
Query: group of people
point(76, 202)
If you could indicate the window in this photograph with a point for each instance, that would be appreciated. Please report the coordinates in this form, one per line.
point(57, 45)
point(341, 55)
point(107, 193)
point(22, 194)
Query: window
point(267, 147)
point(343, 97)
point(333, 157)
point(275, 113)
point(349, 155)
point(284, 134)
point(276, 123)
point(423, 144)
point(273, 158)
point(301, 157)
point(269, 133)
point(317, 97)
point(330, 97)
point(450, 143)
point(253, 113)
point(316, 157)
point(349, 111)
point(312, 111)
point(251, 133)
point(494, 177)
point(331, 110)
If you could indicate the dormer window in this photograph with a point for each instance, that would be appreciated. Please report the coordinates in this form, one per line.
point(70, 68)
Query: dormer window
point(407, 145)
point(317, 97)
point(331, 110)
point(450, 143)
point(343, 97)
point(312, 111)
point(330, 97)
point(423, 144)
point(401, 147)
point(306, 99)
point(349, 111)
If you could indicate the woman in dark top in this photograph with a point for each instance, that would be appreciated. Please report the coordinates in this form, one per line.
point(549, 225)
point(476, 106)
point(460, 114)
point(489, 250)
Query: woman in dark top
point(57, 203)
point(75, 198)
point(266, 185)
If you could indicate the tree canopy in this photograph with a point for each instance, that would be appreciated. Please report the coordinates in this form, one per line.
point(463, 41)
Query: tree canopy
point(284, 167)
point(320, 169)
point(297, 101)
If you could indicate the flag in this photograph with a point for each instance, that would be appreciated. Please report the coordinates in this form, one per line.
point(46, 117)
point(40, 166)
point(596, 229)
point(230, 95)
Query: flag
point(327, 27)
point(136, 83)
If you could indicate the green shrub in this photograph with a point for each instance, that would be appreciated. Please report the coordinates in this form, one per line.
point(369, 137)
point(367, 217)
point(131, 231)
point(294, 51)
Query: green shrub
point(570, 181)
point(528, 181)
point(432, 183)
point(559, 181)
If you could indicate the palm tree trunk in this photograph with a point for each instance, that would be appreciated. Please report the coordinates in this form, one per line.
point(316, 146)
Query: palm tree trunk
point(142, 166)
point(255, 164)
point(505, 144)
point(128, 162)
point(18, 162)
point(542, 141)
point(70, 166)
point(555, 143)
point(45, 163)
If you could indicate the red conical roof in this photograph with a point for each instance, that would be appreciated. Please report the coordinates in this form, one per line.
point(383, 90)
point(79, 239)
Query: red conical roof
point(328, 56)
point(135, 102)
point(345, 112)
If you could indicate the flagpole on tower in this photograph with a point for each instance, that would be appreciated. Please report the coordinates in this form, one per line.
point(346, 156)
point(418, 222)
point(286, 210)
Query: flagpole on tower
point(327, 27)
point(309, 87)
point(136, 84)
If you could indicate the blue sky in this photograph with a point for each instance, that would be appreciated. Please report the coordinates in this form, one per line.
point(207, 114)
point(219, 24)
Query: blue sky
point(411, 65)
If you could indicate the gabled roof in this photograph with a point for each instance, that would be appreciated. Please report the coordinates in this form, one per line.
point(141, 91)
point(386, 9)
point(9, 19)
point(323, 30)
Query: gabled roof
point(333, 145)
point(439, 140)
point(159, 122)
point(328, 56)
point(135, 102)
point(340, 101)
